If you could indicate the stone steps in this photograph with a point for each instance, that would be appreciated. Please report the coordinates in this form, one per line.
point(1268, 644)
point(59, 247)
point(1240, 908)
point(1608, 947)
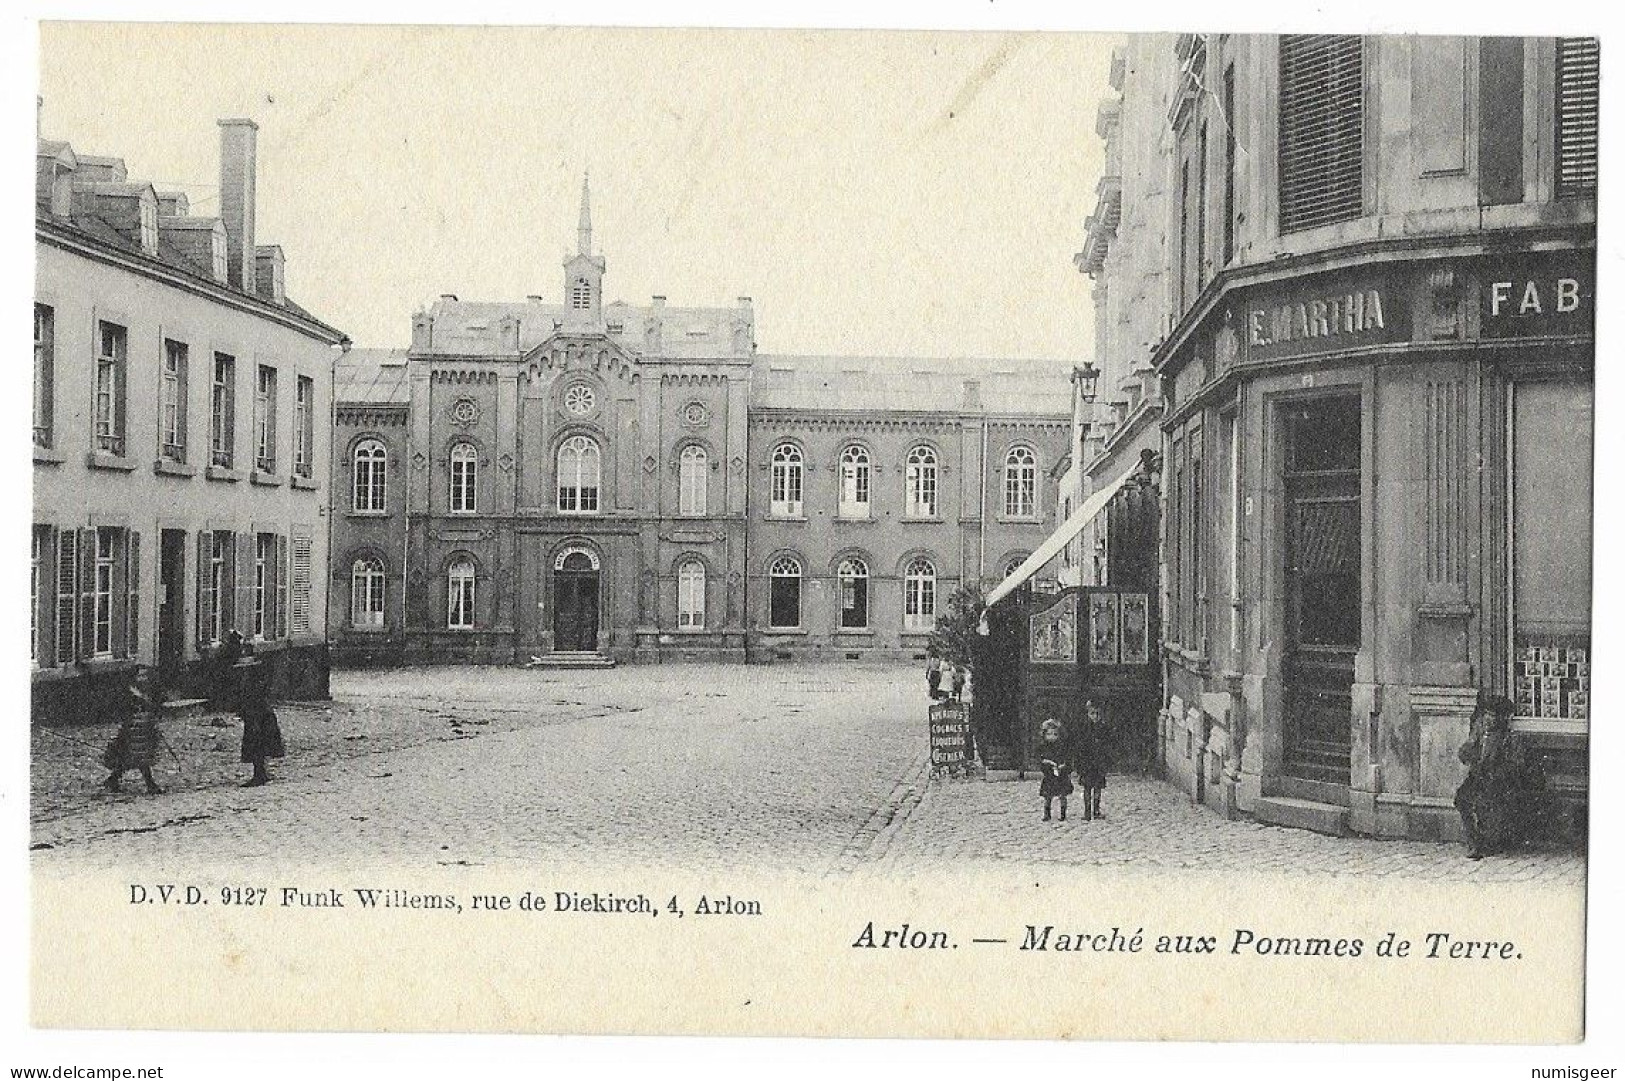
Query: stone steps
point(1303, 814)
point(571, 660)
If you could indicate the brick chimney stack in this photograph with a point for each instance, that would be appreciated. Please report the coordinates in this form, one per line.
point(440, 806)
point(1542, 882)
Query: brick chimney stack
point(238, 145)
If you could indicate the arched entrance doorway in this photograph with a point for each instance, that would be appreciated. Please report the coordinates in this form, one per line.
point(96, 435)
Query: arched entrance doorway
point(575, 600)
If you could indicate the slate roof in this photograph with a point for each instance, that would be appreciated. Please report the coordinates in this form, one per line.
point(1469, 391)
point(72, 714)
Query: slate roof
point(900, 384)
point(371, 377)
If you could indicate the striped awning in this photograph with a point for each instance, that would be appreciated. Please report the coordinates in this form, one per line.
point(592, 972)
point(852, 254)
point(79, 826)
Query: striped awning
point(1060, 538)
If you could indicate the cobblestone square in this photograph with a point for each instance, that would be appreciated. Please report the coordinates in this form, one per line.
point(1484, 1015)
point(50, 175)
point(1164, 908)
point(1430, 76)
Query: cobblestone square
point(807, 768)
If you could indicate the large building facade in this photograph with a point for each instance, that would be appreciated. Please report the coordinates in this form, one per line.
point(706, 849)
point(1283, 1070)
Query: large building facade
point(180, 435)
point(586, 481)
point(1375, 403)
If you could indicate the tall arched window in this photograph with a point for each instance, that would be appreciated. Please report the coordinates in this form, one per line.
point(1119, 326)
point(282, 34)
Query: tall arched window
point(854, 483)
point(693, 465)
point(579, 464)
point(921, 481)
point(367, 593)
point(919, 596)
point(786, 495)
point(460, 595)
point(1021, 483)
point(853, 577)
point(691, 594)
point(369, 468)
point(784, 592)
point(465, 467)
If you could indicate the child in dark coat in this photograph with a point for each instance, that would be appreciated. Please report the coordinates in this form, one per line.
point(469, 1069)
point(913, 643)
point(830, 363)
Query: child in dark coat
point(1052, 755)
point(1500, 787)
point(135, 746)
point(1091, 755)
point(262, 736)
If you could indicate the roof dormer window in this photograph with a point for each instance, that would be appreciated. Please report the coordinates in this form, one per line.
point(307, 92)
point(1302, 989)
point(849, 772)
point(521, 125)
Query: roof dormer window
point(149, 226)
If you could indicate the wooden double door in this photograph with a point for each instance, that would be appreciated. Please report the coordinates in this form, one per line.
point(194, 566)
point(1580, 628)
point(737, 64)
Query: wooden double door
point(576, 604)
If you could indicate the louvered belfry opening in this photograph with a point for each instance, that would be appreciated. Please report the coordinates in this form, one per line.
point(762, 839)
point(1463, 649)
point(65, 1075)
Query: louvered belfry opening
point(1322, 129)
point(1576, 117)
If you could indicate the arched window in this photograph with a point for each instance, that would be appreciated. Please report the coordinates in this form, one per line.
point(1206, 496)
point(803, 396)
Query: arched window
point(854, 483)
point(691, 594)
point(786, 495)
point(1021, 483)
point(369, 469)
point(919, 596)
point(921, 481)
point(465, 467)
point(784, 592)
point(581, 294)
point(693, 465)
point(367, 593)
point(460, 595)
point(853, 577)
point(578, 475)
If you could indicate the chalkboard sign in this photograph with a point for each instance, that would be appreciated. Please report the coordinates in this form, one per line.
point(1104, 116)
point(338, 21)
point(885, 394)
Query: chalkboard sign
point(950, 737)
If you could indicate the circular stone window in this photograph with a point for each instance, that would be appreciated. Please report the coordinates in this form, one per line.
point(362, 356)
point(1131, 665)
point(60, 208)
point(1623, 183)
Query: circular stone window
point(579, 400)
point(465, 411)
point(695, 415)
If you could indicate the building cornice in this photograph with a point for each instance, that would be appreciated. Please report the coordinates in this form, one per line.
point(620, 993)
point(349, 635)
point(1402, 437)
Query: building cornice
point(71, 240)
point(1170, 355)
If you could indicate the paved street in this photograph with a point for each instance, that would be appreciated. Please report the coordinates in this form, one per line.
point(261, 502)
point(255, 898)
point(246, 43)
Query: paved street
point(808, 768)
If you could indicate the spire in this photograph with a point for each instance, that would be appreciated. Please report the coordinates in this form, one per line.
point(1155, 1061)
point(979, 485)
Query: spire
point(584, 230)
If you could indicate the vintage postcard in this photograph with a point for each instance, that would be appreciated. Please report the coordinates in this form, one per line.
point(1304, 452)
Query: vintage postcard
point(812, 533)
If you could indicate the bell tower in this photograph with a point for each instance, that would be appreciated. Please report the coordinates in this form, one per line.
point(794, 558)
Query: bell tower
point(584, 273)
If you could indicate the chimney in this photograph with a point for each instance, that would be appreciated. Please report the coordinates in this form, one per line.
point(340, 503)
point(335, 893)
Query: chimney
point(238, 143)
point(422, 332)
point(973, 394)
point(268, 264)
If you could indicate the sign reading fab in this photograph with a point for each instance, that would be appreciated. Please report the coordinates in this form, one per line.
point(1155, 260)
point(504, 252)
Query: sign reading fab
point(1543, 295)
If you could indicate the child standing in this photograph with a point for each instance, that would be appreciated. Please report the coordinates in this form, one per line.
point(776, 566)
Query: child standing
point(135, 746)
point(1092, 760)
point(1053, 759)
point(262, 736)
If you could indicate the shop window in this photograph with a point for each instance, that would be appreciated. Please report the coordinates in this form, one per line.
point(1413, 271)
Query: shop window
point(1550, 467)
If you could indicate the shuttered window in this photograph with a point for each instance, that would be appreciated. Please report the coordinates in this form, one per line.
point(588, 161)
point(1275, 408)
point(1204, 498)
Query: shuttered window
point(1321, 137)
point(299, 589)
point(1576, 117)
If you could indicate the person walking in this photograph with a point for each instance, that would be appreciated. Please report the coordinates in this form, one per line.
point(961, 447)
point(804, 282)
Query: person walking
point(933, 676)
point(956, 681)
point(135, 745)
point(262, 735)
point(1091, 759)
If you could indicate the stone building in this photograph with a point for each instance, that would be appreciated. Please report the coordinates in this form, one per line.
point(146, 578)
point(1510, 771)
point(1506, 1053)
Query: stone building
point(180, 435)
point(1376, 414)
point(586, 481)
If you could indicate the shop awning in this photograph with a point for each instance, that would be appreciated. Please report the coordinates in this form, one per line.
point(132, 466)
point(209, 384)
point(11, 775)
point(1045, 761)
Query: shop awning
point(1060, 538)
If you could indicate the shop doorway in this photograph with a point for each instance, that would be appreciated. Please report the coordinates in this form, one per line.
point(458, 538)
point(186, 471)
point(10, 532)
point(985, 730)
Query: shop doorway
point(171, 604)
point(575, 601)
point(1321, 481)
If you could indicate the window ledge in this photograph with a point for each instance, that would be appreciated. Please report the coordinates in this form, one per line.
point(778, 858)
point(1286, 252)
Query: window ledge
point(771, 517)
point(265, 480)
point(1010, 519)
point(856, 519)
point(916, 520)
point(168, 467)
point(368, 631)
point(100, 459)
point(223, 472)
point(365, 513)
point(47, 456)
point(303, 484)
point(855, 632)
point(787, 631)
